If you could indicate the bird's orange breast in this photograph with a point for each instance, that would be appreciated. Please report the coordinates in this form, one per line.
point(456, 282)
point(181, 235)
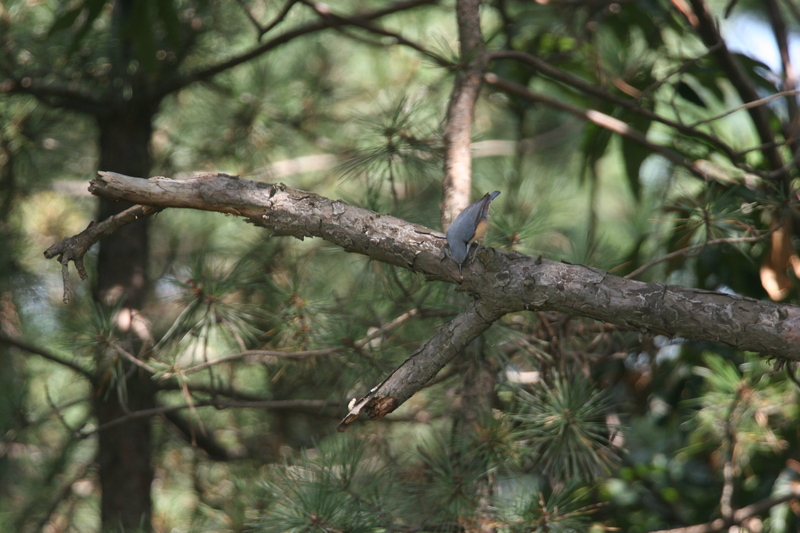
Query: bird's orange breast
point(480, 230)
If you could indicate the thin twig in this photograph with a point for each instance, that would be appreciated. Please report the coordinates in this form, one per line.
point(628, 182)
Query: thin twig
point(174, 84)
point(65, 491)
point(632, 105)
point(741, 514)
point(707, 29)
point(726, 496)
point(791, 371)
point(789, 128)
point(278, 19)
point(250, 17)
point(749, 105)
point(793, 8)
point(601, 119)
point(47, 355)
point(324, 12)
point(301, 354)
point(133, 359)
point(240, 404)
point(214, 392)
point(57, 412)
point(690, 249)
point(684, 66)
point(263, 30)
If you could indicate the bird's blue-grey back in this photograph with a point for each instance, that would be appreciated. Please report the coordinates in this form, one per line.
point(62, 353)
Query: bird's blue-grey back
point(462, 229)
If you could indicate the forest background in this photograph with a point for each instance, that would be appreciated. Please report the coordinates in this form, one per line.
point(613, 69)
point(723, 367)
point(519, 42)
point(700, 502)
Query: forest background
point(195, 381)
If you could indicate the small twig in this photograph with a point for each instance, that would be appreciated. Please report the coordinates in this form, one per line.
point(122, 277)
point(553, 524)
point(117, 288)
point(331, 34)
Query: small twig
point(688, 63)
point(214, 392)
point(263, 30)
point(748, 105)
point(241, 404)
point(75, 247)
point(706, 27)
point(256, 353)
point(57, 412)
point(740, 515)
point(783, 169)
point(251, 18)
point(690, 249)
point(726, 497)
point(324, 12)
point(47, 355)
point(133, 359)
point(759, 147)
point(179, 82)
point(630, 104)
point(278, 19)
point(302, 354)
point(601, 119)
point(789, 128)
point(793, 8)
point(64, 492)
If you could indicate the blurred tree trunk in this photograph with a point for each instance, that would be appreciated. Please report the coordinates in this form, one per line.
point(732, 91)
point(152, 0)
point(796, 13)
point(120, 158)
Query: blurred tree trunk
point(474, 418)
point(125, 450)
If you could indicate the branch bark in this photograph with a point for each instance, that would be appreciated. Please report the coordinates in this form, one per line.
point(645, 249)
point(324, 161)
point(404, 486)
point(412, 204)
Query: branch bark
point(512, 281)
point(423, 365)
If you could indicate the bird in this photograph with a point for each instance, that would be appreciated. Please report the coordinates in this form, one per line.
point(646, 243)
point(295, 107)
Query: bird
point(470, 225)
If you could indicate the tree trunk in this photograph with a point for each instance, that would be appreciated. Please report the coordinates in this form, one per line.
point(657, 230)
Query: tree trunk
point(125, 450)
point(474, 416)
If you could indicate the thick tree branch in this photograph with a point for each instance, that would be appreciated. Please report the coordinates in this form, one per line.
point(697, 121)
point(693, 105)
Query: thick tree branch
point(423, 365)
point(517, 281)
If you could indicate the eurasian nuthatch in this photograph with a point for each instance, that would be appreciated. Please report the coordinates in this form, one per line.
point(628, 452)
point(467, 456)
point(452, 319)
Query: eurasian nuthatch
point(470, 225)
